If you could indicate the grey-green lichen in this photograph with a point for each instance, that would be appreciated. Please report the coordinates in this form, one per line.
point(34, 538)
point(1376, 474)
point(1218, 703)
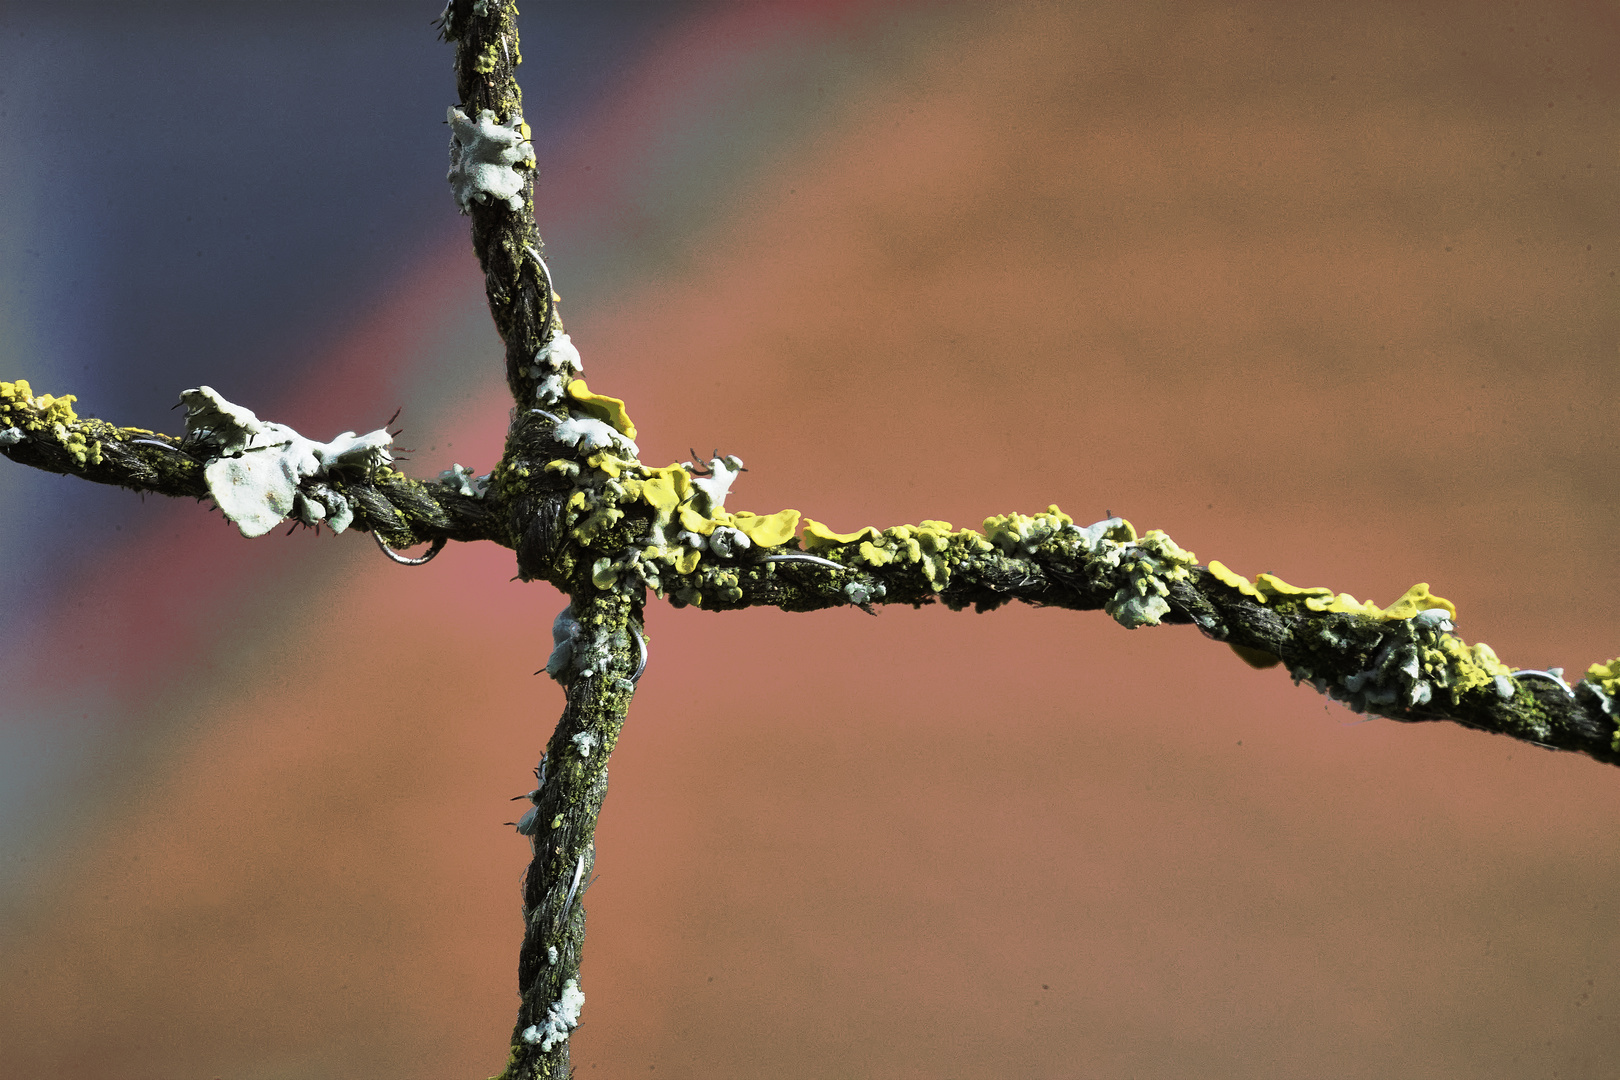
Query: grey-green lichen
point(485, 156)
point(258, 472)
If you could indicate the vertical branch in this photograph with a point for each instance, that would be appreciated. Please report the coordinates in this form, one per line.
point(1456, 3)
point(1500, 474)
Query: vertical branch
point(505, 238)
point(600, 673)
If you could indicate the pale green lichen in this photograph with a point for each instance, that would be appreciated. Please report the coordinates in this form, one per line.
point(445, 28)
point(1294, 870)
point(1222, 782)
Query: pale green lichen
point(255, 468)
point(1018, 534)
point(485, 155)
point(1418, 659)
point(461, 478)
point(1151, 564)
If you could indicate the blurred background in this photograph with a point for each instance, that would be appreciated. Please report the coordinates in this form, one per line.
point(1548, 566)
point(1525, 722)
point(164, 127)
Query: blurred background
point(1322, 290)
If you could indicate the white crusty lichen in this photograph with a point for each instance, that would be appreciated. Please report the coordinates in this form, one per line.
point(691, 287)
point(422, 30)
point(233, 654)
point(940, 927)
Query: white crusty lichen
point(483, 154)
point(561, 1018)
point(726, 541)
point(462, 479)
point(555, 365)
point(711, 490)
point(11, 436)
point(588, 435)
point(255, 468)
point(586, 742)
point(576, 653)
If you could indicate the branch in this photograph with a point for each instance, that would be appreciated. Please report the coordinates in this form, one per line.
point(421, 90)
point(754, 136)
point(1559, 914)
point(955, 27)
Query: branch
point(618, 527)
point(599, 656)
point(492, 174)
point(45, 432)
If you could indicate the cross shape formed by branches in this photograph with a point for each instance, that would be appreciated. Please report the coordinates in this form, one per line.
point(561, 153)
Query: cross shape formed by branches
point(572, 499)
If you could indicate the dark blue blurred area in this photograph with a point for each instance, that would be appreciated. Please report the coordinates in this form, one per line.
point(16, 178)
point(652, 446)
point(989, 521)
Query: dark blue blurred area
point(201, 181)
point(201, 193)
point(214, 193)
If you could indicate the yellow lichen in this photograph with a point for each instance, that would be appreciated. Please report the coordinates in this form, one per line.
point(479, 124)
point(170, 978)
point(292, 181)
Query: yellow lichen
point(49, 412)
point(1274, 586)
point(772, 530)
point(1417, 598)
point(875, 556)
point(1474, 667)
point(599, 522)
point(666, 489)
point(610, 410)
point(1235, 581)
point(1607, 676)
point(692, 521)
point(817, 537)
point(609, 463)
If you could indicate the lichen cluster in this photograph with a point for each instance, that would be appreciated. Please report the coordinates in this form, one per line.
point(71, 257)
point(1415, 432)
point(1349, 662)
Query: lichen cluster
point(639, 528)
point(261, 473)
point(1602, 683)
point(22, 414)
point(486, 156)
point(1414, 656)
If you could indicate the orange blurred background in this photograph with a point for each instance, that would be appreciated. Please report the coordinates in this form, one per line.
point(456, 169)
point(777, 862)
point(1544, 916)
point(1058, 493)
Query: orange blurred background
point(1323, 291)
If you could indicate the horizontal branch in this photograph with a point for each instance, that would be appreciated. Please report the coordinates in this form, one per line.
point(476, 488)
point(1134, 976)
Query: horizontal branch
point(582, 513)
point(46, 433)
point(625, 526)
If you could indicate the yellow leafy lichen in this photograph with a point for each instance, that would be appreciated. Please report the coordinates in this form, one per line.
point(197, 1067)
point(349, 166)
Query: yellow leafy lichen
point(610, 410)
point(1270, 587)
point(1417, 598)
point(1235, 581)
point(692, 521)
point(770, 530)
point(817, 537)
point(1473, 667)
point(49, 411)
point(875, 556)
